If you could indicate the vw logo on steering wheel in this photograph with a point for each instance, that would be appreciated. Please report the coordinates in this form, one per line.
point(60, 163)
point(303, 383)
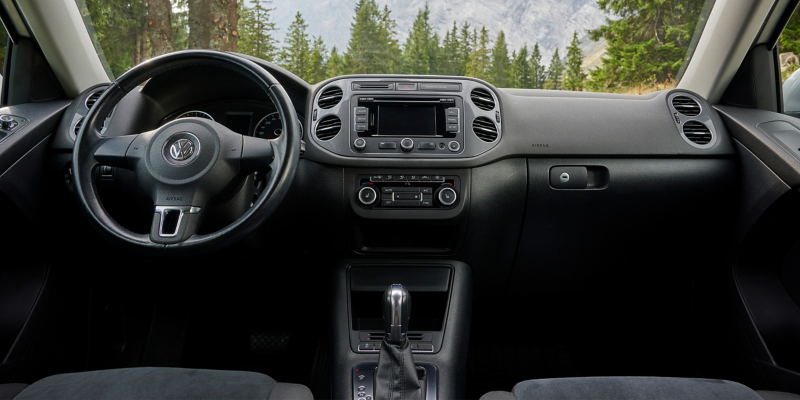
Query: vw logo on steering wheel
point(182, 149)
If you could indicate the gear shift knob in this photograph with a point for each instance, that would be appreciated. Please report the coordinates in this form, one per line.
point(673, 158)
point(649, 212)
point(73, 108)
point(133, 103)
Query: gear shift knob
point(396, 313)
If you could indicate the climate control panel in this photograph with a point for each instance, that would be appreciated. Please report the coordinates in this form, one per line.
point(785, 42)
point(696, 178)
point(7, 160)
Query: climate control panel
point(402, 191)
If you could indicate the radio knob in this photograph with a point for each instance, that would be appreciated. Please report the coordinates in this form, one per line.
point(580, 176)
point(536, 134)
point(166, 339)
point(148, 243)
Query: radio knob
point(367, 195)
point(360, 144)
point(407, 144)
point(447, 196)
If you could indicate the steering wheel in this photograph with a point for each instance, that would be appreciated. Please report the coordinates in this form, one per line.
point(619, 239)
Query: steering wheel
point(185, 163)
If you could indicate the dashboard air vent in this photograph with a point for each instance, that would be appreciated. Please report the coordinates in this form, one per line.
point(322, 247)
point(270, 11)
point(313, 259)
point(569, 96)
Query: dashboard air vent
point(485, 129)
point(328, 127)
point(330, 97)
point(373, 85)
point(686, 106)
point(92, 98)
point(697, 132)
point(482, 99)
point(78, 127)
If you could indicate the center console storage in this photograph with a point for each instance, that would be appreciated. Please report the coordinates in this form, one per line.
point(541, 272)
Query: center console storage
point(438, 327)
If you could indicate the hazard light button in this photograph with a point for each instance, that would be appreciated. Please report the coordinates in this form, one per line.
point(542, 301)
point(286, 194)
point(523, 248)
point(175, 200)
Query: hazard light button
point(406, 86)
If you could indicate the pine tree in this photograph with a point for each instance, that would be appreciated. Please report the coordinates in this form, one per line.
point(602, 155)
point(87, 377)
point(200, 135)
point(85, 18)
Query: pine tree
point(256, 32)
point(450, 56)
point(317, 69)
point(574, 77)
point(373, 48)
point(296, 52)
point(335, 65)
point(480, 60)
point(521, 69)
point(466, 40)
point(555, 72)
point(499, 69)
point(419, 52)
point(538, 71)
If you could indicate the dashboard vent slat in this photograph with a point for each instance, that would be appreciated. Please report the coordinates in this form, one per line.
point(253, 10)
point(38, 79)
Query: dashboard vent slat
point(92, 99)
point(697, 132)
point(485, 129)
point(328, 127)
point(482, 99)
point(330, 97)
point(373, 85)
point(686, 106)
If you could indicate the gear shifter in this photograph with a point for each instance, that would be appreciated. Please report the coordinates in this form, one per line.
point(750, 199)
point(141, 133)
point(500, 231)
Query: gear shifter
point(397, 377)
point(396, 313)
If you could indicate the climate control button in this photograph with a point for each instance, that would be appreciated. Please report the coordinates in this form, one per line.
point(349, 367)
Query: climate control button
point(367, 195)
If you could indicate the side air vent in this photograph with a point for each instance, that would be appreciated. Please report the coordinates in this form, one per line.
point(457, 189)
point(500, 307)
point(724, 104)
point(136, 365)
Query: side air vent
point(482, 99)
point(373, 86)
point(77, 127)
point(92, 98)
point(485, 129)
point(328, 127)
point(686, 106)
point(697, 132)
point(330, 97)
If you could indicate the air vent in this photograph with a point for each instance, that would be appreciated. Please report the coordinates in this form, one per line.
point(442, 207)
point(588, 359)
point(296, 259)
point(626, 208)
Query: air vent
point(482, 99)
point(686, 106)
point(330, 97)
point(485, 129)
point(373, 85)
point(92, 99)
point(77, 127)
point(697, 132)
point(413, 336)
point(328, 127)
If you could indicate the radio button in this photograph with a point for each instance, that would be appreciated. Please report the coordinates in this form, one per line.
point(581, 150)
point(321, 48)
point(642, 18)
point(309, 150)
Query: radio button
point(361, 119)
point(407, 144)
point(426, 146)
point(451, 112)
point(452, 127)
point(387, 145)
point(362, 110)
point(360, 144)
point(454, 146)
point(450, 120)
point(361, 127)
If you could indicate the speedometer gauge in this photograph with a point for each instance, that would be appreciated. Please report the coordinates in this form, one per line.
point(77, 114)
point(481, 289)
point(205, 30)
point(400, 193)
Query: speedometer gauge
point(195, 114)
point(270, 127)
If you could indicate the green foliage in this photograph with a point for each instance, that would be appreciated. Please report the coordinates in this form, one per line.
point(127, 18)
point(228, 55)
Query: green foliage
point(500, 65)
point(335, 65)
point(296, 52)
point(480, 59)
point(555, 73)
point(521, 69)
point(421, 50)
point(256, 31)
point(373, 48)
point(317, 70)
point(789, 40)
point(538, 70)
point(646, 44)
point(574, 77)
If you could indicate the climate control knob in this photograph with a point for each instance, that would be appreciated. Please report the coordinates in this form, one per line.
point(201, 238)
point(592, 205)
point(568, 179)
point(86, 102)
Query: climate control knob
point(367, 195)
point(447, 196)
point(407, 144)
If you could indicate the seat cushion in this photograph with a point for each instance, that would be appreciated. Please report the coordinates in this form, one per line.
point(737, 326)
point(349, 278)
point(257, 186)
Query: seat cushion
point(632, 388)
point(162, 383)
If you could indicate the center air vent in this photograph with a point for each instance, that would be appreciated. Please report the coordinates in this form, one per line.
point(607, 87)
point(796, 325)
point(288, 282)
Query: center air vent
point(330, 97)
point(482, 99)
point(697, 132)
point(92, 99)
point(485, 129)
point(686, 106)
point(328, 127)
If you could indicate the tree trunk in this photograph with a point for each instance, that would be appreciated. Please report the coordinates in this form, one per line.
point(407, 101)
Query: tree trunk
point(159, 26)
point(224, 32)
point(200, 22)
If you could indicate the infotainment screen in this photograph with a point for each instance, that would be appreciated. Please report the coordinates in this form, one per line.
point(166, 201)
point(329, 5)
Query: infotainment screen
point(406, 120)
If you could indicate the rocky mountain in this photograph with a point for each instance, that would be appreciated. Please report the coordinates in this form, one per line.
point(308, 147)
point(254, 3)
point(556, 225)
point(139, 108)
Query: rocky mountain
point(549, 22)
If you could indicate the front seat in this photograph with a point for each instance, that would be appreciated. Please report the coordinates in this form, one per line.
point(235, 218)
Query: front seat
point(156, 383)
point(634, 388)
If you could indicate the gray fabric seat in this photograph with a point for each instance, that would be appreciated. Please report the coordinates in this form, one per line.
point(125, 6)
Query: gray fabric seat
point(156, 383)
point(633, 388)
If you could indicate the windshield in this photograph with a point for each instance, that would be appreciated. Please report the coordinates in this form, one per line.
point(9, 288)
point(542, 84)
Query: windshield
point(623, 46)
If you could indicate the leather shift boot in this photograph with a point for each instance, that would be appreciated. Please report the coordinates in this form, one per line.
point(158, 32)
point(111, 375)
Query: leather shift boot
point(396, 376)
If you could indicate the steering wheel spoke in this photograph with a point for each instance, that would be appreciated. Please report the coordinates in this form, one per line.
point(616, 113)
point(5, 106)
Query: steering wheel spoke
point(257, 154)
point(115, 151)
point(174, 224)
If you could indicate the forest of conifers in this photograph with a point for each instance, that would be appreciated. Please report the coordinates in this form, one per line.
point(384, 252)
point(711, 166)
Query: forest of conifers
point(647, 42)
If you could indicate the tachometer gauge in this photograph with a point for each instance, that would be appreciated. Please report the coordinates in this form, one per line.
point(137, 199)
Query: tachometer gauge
point(270, 127)
point(195, 114)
